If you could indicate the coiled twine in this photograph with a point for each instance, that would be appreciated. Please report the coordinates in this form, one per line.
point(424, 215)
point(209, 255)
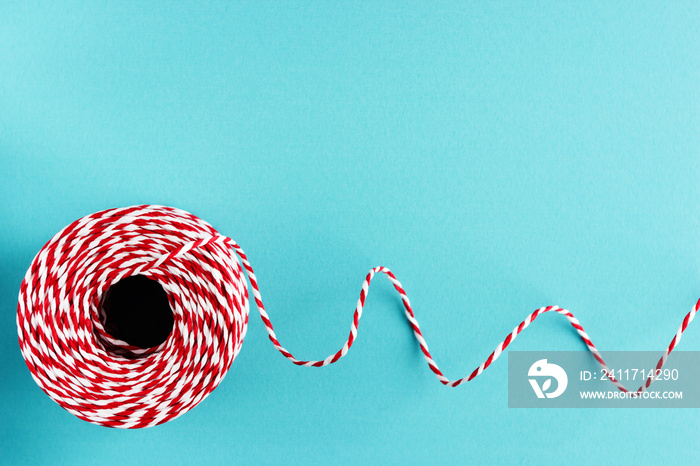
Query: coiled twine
point(104, 380)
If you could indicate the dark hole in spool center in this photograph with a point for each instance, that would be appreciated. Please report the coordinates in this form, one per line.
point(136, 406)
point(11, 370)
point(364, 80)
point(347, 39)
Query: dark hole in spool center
point(136, 310)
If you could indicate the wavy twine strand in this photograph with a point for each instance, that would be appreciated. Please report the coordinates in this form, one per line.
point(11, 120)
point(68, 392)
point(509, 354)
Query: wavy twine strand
point(421, 340)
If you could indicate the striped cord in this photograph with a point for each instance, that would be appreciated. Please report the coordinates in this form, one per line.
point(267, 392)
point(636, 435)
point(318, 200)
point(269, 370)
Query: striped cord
point(107, 381)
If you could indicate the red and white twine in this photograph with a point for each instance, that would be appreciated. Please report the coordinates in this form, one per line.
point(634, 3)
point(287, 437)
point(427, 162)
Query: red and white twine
point(106, 381)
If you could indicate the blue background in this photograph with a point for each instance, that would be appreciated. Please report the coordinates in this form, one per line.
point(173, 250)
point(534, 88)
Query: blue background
point(498, 157)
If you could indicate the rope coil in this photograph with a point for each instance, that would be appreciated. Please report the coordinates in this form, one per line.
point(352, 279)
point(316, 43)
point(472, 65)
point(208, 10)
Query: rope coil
point(109, 382)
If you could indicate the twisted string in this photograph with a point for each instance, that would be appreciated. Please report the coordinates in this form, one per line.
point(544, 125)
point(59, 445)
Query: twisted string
point(107, 381)
point(421, 340)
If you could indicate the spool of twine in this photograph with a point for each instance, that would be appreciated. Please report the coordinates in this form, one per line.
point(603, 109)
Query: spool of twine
point(130, 317)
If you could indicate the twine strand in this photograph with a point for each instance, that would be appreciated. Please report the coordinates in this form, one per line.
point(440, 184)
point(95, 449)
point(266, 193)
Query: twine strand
point(421, 340)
